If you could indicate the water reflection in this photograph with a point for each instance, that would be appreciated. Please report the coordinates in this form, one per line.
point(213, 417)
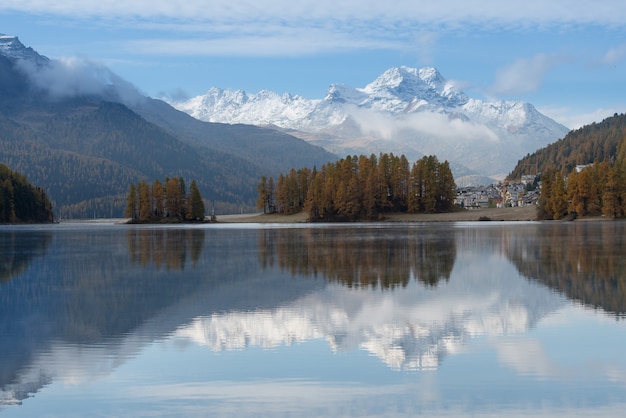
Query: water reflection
point(411, 296)
point(384, 259)
point(17, 251)
point(412, 325)
point(585, 261)
point(169, 248)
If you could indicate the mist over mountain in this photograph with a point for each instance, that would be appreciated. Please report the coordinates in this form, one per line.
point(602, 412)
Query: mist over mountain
point(84, 134)
point(405, 110)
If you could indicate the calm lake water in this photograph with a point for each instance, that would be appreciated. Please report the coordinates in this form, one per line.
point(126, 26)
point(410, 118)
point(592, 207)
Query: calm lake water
point(482, 319)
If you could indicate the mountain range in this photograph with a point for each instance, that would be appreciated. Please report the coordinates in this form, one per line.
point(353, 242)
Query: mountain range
point(84, 134)
point(405, 110)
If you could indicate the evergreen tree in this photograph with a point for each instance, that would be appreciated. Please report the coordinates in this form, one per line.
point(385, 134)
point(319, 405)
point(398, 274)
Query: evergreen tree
point(271, 195)
point(20, 201)
point(196, 205)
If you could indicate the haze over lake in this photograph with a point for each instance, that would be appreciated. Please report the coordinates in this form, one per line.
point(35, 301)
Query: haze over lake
point(378, 319)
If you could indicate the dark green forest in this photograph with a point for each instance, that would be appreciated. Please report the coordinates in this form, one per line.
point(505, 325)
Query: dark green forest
point(361, 188)
point(20, 201)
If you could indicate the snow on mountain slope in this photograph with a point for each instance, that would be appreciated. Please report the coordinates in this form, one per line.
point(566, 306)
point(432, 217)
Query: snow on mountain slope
point(405, 110)
point(11, 47)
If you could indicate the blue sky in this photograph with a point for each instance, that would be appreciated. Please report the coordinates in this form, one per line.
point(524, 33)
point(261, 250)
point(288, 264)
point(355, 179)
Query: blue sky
point(567, 57)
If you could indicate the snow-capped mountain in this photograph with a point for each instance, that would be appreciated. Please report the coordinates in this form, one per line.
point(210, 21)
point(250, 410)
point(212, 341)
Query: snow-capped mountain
point(11, 47)
point(405, 111)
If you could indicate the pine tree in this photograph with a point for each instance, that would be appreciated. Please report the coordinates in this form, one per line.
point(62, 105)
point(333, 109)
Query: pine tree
point(196, 205)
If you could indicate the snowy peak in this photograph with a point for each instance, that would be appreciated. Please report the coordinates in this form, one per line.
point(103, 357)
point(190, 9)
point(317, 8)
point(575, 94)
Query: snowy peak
point(12, 48)
point(405, 110)
point(236, 106)
point(400, 87)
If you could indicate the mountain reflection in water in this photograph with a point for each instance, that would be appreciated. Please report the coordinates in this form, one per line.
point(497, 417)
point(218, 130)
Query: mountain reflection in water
point(79, 301)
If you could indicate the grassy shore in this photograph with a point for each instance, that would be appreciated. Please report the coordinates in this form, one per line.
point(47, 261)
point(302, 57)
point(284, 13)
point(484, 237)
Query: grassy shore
point(528, 213)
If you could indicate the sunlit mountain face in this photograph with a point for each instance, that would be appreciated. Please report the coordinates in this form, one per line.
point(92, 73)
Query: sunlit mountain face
point(410, 111)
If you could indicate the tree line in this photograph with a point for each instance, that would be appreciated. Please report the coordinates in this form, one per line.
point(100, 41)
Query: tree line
point(361, 188)
point(166, 201)
point(598, 189)
point(20, 201)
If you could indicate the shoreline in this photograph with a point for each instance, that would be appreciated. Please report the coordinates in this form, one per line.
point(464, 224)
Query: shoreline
point(526, 213)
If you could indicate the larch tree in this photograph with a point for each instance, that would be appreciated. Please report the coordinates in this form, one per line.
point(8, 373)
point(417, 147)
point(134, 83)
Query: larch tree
point(158, 196)
point(144, 202)
point(131, 203)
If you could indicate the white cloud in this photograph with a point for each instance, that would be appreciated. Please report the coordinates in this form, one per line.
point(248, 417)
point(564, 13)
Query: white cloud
point(525, 75)
point(274, 27)
point(576, 119)
point(429, 124)
point(289, 41)
point(449, 13)
point(73, 76)
point(614, 55)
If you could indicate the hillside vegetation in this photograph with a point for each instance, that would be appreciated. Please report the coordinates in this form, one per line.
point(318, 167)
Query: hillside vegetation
point(86, 153)
point(85, 149)
point(584, 173)
point(597, 142)
point(20, 201)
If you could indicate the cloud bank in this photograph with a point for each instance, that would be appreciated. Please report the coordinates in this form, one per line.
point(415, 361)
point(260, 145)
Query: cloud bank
point(285, 27)
point(448, 13)
point(69, 77)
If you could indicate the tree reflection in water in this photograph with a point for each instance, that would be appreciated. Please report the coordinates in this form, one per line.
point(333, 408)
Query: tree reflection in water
point(379, 258)
point(18, 253)
point(586, 261)
point(169, 248)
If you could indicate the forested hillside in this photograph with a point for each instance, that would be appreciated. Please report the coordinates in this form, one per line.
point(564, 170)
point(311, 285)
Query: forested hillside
point(584, 174)
point(592, 143)
point(85, 149)
point(20, 201)
point(86, 158)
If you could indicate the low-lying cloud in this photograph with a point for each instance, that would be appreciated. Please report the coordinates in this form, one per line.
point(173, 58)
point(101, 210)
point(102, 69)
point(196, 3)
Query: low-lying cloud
point(71, 77)
point(429, 124)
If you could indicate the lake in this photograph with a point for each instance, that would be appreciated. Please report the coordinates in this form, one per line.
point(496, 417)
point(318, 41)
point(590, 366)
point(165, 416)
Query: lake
point(483, 319)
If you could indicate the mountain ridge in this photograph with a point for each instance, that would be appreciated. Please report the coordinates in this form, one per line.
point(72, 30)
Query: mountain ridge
point(84, 134)
point(405, 110)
